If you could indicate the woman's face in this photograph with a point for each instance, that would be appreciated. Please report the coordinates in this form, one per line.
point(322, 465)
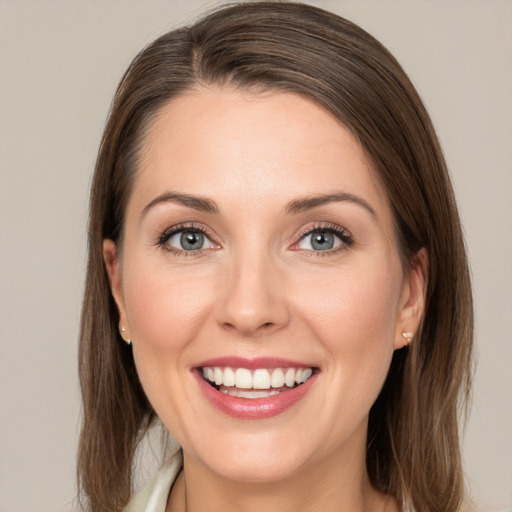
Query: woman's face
point(259, 249)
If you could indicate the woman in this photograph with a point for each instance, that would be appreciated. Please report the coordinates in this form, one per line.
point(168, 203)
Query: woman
point(273, 234)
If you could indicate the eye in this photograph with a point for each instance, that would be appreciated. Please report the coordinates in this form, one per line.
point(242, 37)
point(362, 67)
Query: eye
point(324, 239)
point(187, 239)
point(319, 240)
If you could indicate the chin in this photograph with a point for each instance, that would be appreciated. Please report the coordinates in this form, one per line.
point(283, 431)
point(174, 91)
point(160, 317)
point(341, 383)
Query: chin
point(258, 469)
point(255, 458)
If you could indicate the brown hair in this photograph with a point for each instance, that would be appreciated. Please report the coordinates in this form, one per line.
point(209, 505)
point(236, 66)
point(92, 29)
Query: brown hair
point(413, 447)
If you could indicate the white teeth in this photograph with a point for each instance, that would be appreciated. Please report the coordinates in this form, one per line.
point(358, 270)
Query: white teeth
point(229, 377)
point(218, 374)
point(277, 378)
point(242, 393)
point(306, 373)
point(243, 378)
point(303, 375)
point(289, 377)
point(209, 374)
point(261, 378)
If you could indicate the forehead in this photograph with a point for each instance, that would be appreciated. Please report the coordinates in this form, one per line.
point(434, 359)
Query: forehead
point(235, 145)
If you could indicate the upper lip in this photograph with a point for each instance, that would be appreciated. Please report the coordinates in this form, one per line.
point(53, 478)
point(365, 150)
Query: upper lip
point(252, 363)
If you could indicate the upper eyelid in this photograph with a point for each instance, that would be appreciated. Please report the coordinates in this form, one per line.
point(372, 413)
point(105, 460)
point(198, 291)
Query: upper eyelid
point(164, 236)
point(334, 228)
point(342, 233)
point(192, 226)
point(300, 235)
point(162, 241)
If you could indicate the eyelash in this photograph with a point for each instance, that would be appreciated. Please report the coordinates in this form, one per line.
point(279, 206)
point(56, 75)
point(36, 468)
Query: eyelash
point(189, 228)
point(346, 239)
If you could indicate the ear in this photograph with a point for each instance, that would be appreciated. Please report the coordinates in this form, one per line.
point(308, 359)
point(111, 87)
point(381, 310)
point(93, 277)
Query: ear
point(412, 300)
point(111, 259)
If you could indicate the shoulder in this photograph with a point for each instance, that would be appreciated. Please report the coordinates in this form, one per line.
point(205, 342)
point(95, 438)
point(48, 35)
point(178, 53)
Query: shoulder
point(153, 498)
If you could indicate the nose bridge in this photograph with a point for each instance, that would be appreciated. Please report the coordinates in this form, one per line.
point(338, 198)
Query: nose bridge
point(252, 301)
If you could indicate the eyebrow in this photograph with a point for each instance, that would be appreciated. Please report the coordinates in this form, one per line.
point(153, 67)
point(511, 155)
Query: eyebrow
point(296, 206)
point(308, 203)
point(201, 204)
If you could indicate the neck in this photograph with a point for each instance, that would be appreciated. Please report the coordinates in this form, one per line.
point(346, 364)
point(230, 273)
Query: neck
point(333, 485)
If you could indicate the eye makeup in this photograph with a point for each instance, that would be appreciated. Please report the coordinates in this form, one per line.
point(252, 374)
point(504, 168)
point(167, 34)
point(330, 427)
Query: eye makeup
point(320, 239)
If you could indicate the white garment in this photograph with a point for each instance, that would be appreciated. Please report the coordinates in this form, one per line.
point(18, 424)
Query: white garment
point(153, 498)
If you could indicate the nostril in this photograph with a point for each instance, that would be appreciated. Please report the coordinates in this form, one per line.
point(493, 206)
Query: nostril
point(246, 329)
point(266, 326)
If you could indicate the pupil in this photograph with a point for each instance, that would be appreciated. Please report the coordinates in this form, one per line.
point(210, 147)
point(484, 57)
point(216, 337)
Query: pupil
point(322, 240)
point(191, 241)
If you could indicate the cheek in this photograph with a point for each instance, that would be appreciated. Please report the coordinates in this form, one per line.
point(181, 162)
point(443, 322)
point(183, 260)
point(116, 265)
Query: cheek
point(164, 308)
point(354, 319)
point(354, 305)
point(354, 315)
point(165, 311)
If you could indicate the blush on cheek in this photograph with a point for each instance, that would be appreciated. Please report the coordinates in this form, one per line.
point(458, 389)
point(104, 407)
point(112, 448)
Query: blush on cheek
point(165, 310)
point(355, 322)
point(352, 305)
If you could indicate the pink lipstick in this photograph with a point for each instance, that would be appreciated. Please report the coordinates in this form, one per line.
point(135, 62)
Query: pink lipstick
point(254, 388)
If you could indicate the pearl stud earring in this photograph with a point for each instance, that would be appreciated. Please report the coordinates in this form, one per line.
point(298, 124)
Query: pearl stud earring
point(128, 342)
point(407, 336)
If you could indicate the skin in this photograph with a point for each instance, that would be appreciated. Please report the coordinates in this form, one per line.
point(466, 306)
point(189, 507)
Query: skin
point(260, 289)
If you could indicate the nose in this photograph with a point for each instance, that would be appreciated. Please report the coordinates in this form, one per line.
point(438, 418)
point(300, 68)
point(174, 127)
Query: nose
point(253, 299)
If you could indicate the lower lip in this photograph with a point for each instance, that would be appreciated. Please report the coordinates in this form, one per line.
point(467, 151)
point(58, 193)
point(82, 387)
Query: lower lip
point(253, 408)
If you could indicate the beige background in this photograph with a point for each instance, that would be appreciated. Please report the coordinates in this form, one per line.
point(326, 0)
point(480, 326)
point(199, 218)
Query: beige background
point(59, 64)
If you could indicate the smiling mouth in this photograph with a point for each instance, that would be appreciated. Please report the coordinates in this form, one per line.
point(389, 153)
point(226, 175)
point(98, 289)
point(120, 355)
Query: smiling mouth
point(257, 383)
